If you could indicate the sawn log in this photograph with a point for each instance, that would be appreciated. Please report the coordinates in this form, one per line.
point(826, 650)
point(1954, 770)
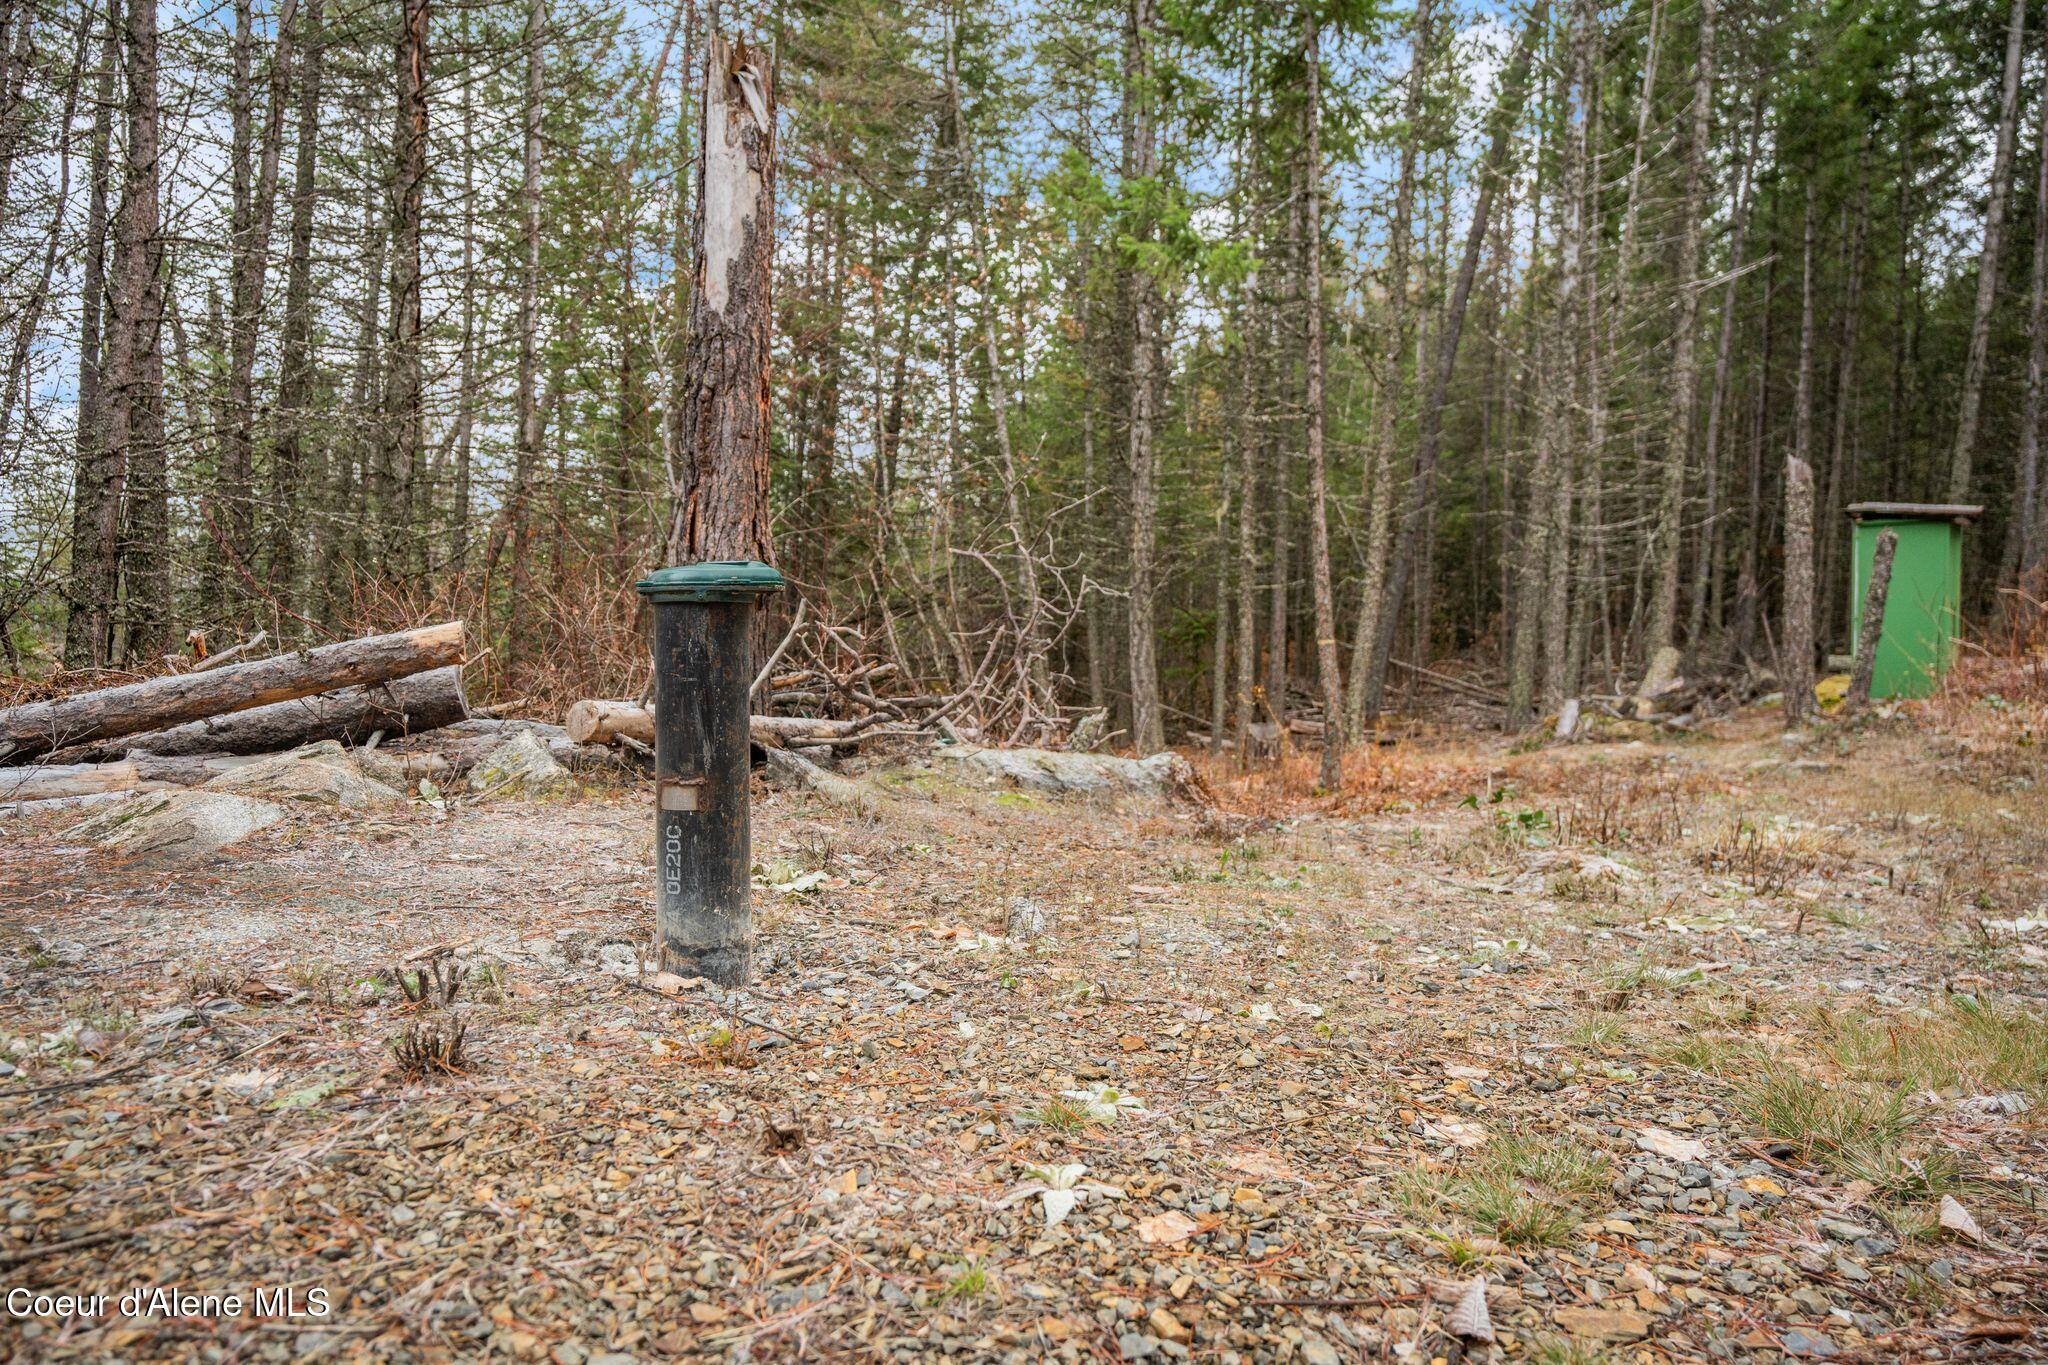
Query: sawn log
point(403, 706)
point(110, 713)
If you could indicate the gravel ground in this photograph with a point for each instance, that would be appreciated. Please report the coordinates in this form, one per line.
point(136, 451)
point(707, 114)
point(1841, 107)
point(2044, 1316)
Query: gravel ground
point(1715, 1047)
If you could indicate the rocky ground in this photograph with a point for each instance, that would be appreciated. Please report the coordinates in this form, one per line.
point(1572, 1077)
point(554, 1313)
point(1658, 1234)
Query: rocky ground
point(1666, 1047)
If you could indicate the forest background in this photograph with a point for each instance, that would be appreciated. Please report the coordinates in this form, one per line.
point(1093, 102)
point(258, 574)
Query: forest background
point(1201, 360)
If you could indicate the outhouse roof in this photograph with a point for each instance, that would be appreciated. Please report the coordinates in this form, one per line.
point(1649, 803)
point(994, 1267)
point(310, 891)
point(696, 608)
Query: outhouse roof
point(1916, 511)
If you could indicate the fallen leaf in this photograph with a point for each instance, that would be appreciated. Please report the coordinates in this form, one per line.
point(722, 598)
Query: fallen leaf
point(1957, 1219)
point(1167, 1229)
point(1470, 1320)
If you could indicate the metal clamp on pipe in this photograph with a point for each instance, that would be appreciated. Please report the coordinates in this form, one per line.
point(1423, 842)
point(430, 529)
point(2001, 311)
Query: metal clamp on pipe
point(703, 666)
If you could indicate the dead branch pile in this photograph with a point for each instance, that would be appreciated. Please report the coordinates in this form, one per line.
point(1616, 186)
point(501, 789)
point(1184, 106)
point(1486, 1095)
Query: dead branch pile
point(830, 688)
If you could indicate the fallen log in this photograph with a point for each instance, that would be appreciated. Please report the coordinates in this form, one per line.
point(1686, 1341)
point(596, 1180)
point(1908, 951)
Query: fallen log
point(54, 780)
point(110, 713)
point(604, 722)
point(600, 722)
point(9, 809)
point(402, 706)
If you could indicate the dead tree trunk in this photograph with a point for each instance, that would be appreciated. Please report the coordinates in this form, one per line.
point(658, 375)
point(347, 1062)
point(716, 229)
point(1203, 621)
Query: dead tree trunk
point(86, 717)
point(1796, 642)
point(722, 512)
point(1872, 626)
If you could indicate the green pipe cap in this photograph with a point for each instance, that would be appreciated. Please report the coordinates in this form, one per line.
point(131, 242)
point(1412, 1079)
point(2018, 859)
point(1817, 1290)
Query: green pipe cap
point(717, 580)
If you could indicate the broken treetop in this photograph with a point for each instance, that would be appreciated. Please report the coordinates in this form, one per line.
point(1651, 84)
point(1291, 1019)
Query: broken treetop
point(719, 580)
point(1914, 511)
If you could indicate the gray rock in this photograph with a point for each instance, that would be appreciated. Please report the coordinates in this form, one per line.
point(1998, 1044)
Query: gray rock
point(1800, 1341)
point(322, 774)
point(1316, 1351)
point(1027, 919)
point(1136, 1345)
point(1061, 774)
point(521, 763)
point(181, 824)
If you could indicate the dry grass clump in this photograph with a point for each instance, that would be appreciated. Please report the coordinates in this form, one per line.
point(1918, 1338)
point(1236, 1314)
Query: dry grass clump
point(1856, 1131)
point(1969, 1046)
point(1522, 1192)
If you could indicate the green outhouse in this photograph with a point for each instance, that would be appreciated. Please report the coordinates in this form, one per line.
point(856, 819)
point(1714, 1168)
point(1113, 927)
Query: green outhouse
point(1923, 608)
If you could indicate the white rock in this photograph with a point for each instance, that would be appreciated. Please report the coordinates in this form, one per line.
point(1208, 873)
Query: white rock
point(323, 774)
point(179, 824)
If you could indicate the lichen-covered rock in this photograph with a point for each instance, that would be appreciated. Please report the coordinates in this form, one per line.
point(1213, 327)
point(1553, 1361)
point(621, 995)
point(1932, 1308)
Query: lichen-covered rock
point(1046, 770)
point(521, 763)
point(180, 824)
point(323, 774)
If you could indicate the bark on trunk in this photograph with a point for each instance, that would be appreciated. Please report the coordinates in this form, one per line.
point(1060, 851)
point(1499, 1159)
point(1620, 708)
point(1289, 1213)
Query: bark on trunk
point(399, 456)
point(135, 362)
point(600, 722)
point(1393, 366)
point(87, 717)
point(1678, 436)
point(295, 350)
point(1872, 625)
point(1964, 452)
point(1796, 640)
point(2022, 547)
point(1828, 510)
point(96, 489)
point(526, 462)
point(55, 781)
point(255, 202)
point(1327, 667)
point(1148, 724)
